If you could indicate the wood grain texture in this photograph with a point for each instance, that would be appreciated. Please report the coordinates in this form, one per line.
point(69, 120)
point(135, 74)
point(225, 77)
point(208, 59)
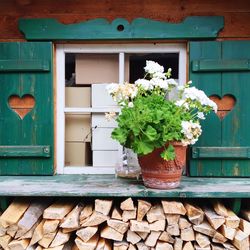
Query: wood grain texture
point(237, 16)
point(109, 186)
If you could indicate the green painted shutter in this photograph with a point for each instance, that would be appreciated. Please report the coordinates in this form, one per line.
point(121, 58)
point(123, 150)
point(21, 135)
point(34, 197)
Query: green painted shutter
point(222, 68)
point(26, 145)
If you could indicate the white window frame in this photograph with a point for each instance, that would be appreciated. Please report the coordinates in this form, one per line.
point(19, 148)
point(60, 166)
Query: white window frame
point(121, 49)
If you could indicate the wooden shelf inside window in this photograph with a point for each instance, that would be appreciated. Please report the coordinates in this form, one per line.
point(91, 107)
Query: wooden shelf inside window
point(109, 186)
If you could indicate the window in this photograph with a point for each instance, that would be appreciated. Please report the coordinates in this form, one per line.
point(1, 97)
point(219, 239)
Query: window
point(83, 135)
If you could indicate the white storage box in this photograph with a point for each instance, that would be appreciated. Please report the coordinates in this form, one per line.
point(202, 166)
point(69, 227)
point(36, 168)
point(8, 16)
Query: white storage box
point(105, 158)
point(99, 121)
point(101, 139)
point(100, 96)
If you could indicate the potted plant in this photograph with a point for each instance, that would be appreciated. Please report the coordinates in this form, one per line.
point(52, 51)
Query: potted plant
point(156, 127)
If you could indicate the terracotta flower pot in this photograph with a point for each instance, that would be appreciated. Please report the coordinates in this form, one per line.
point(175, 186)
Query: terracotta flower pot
point(159, 173)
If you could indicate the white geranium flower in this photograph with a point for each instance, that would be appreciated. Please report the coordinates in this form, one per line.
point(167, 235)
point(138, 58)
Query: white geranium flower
point(201, 115)
point(172, 82)
point(159, 75)
point(163, 84)
point(153, 67)
point(112, 88)
point(130, 105)
point(145, 84)
point(191, 131)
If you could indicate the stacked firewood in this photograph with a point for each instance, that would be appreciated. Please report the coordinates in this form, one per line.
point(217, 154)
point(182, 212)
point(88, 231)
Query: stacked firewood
point(104, 224)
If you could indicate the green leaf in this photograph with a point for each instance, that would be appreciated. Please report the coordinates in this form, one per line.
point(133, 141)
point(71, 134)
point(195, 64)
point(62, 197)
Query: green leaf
point(168, 153)
point(151, 133)
point(142, 147)
point(119, 135)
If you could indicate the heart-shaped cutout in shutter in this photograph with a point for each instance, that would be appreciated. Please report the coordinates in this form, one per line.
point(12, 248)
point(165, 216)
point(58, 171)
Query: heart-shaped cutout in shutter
point(225, 104)
point(22, 105)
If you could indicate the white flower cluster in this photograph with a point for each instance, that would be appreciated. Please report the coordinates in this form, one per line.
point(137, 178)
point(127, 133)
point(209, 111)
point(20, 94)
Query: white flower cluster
point(122, 92)
point(158, 77)
point(193, 93)
point(191, 131)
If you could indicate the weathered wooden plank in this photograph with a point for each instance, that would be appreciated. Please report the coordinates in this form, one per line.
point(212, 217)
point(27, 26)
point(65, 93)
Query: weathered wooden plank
point(120, 28)
point(24, 151)
point(220, 65)
point(24, 65)
point(221, 152)
point(99, 185)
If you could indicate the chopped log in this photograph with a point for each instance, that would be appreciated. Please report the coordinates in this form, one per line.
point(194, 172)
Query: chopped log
point(187, 234)
point(229, 246)
point(127, 205)
point(4, 241)
point(110, 233)
point(120, 245)
point(213, 218)
point(166, 237)
point(54, 248)
point(184, 223)
point(12, 229)
point(38, 248)
point(232, 220)
point(173, 207)
point(228, 232)
point(131, 247)
point(86, 233)
point(69, 230)
point(241, 240)
point(72, 220)
point(31, 216)
point(178, 244)
point(47, 239)
point(103, 206)
point(188, 246)
point(58, 210)
point(139, 226)
point(86, 213)
point(152, 238)
point(30, 233)
point(142, 235)
point(19, 244)
point(245, 226)
point(50, 226)
point(143, 208)
point(95, 219)
point(217, 247)
point(38, 233)
point(173, 229)
point(246, 214)
point(163, 246)
point(103, 244)
point(60, 239)
point(118, 225)
point(155, 213)
point(2, 230)
point(158, 225)
point(132, 237)
point(142, 246)
point(202, 240)
point(116, 214)
point(197, 247)
point(219, 238)
point(14, 212)
point(204, 228)
point(90, 245)
point(194, 213)
point(220, 209)
point(128, 215)
point(172, 218)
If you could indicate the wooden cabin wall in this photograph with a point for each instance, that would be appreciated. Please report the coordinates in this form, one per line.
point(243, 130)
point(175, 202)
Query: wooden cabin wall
point(236, 13)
